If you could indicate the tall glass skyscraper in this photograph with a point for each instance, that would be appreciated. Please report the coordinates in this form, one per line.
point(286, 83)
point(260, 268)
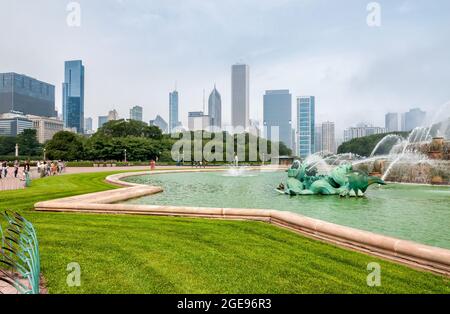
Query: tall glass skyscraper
point(215, 108)
point(240, 95)
point(278, 113)
point(174, 121)
point(306, 107)
point(73, 95)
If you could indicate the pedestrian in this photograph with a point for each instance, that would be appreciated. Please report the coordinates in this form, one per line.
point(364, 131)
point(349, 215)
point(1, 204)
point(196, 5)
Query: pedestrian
point(16, 168)
point(5, 168)
point(26, 167)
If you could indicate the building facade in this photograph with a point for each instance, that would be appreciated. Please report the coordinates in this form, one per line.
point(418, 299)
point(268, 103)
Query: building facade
point(136, 113)
point(318, 139)
point(328, 139)
point(14, 123)
point(27, 95)
point(215, 108)
point(102, 120)
point(412, 119)
point(362, 130)
point(240, 96)
point(278, 114)
point(45, 127)
point(391, 122)
point(73, 95)
point(174, 121)
point(160, 123)
point(198, 121)
point(306, 108)
point(113, 115)
point(88, 128)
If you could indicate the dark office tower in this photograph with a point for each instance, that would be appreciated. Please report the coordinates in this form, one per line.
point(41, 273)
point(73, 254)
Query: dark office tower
point(278, 114)
point(73, 95)
point(215, 108)
point(27, 95)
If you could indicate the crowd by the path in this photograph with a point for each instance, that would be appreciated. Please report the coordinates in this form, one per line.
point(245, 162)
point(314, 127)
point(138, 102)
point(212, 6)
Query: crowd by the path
point(44, 169)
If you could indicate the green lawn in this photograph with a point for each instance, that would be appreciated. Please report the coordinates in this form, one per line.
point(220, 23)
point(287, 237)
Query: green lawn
point(131, 254)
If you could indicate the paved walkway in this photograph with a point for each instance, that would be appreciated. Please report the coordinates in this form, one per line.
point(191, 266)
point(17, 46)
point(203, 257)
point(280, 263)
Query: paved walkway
point(10, 183)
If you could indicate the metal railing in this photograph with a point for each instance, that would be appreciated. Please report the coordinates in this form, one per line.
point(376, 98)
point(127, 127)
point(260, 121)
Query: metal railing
point(19, 254)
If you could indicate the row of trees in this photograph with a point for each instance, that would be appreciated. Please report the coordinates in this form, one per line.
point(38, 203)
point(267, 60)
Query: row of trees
point(364, 146)
point(140, 141)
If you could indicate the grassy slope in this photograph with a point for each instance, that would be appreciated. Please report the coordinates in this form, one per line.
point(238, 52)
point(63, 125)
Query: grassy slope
point(129, 254)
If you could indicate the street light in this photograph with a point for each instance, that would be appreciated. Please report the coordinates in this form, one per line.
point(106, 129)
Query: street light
point(17, 150)
point(125, 151)
point(44, 153)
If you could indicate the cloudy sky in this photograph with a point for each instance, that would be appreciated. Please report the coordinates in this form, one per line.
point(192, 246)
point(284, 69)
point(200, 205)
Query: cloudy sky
point(135, 50)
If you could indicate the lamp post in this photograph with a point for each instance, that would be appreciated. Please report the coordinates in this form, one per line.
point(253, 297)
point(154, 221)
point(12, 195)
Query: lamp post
point(45, 150)
point(125, 151)
point(17, 150)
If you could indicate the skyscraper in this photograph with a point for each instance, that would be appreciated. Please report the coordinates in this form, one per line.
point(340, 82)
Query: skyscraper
point(160, 123)
point(412, 119)
point(240, 95)
point(278, 113)
point(391, 122)
point(173, 111)
point(136, 113)
point(198, 121)
point(24, 94)
point(215, 108)
point(102, 120)
point(318, 138)
point(88, 125)
point(73, 95)
point(306, 106)
point(113, 115)
point(328, 137)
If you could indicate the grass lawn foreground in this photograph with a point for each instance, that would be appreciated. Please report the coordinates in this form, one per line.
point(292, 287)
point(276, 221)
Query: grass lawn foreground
point(143, 254)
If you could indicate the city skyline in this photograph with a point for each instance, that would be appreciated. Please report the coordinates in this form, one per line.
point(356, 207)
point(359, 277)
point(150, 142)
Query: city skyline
point(386, 69)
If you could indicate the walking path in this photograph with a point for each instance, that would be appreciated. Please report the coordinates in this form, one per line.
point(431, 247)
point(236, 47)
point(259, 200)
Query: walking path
point(10, 183)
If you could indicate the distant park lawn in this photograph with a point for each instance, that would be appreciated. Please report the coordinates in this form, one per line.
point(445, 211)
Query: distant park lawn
point(139, 254)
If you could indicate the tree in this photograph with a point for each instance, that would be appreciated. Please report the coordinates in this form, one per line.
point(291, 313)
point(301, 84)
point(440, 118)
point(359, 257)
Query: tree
point(28, 143)
point(125, 128)
point(7, 145)
point(65, 146)
point(364, 146)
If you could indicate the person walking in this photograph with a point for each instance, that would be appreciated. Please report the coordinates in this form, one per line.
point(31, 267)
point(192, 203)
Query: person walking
point(26, 167)
point(5, 168)
point(16, 168)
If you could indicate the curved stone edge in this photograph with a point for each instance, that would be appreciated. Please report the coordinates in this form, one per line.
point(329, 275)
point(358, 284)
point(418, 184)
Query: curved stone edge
point(406, 252)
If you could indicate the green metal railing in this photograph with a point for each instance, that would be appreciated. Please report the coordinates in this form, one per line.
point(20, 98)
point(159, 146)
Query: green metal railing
point(19, 254)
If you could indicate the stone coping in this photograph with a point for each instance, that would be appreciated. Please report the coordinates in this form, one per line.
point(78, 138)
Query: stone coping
point(413, 254)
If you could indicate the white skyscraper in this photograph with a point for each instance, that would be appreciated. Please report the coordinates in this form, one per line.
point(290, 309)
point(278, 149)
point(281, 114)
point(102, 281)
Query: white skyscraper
point(240, 95)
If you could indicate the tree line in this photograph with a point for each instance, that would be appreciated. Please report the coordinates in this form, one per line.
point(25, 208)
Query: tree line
point(140, 141)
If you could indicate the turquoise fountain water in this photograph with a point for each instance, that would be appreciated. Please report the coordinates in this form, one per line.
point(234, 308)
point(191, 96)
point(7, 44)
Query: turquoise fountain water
point(413, 212)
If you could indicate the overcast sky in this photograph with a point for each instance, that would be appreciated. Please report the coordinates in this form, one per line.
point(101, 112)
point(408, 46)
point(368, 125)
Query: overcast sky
point(135, 50)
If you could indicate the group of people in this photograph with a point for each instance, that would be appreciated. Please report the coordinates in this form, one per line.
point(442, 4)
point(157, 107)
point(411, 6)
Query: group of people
point(50, 168)
point(4, 171)
point(44, 169)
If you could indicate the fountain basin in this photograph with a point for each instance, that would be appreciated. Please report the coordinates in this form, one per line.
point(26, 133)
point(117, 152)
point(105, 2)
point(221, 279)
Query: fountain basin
point(412, 212)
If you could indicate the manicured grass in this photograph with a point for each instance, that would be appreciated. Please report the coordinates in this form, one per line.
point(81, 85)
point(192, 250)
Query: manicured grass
point(134, 254)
